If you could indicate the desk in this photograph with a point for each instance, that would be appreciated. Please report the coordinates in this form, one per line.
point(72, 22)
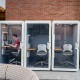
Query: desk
point(31, 49)
point(58, 49)
point(5, 46)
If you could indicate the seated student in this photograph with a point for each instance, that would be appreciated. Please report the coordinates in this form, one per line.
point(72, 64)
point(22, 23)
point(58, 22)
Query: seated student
point(15, 46)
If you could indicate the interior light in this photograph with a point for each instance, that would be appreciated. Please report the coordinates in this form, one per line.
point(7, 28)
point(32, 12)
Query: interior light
point(4, 27)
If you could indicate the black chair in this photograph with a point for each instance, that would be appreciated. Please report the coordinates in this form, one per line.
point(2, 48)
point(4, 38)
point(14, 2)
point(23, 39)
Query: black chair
point(16, 57)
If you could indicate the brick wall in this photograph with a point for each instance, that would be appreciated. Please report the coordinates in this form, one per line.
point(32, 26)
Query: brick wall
point(42, 9)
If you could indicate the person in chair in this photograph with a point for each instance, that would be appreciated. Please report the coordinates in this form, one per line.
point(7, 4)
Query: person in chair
point(15, 46)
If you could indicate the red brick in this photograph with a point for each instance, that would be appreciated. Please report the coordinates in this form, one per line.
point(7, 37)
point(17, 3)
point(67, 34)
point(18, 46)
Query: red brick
point(42, 9)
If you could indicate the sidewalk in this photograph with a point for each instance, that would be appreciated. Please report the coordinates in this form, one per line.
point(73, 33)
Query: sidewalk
point(55, 75)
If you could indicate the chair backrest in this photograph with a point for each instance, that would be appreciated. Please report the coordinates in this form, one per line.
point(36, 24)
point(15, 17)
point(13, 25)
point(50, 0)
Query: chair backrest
point(67, 47)
point(42, 47)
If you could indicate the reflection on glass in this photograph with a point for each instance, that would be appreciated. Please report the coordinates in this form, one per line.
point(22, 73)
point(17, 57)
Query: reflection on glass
point(36, 42)
point(65, 51)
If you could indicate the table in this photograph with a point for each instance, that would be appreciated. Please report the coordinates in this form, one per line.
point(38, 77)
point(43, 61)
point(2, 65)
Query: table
point(58, 49)
point(5, 46)
point(31, 49)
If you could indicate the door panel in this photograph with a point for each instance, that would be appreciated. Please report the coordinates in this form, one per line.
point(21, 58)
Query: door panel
point(8, 28)
point(65, 49)
point(38, 44)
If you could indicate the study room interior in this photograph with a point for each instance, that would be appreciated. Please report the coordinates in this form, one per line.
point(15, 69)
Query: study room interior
point(6, 55)
point(42, 46)
point(37, 45)
point(65, 45)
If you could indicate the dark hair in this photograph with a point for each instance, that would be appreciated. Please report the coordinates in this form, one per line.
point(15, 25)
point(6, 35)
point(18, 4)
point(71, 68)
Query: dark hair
point(15, 35)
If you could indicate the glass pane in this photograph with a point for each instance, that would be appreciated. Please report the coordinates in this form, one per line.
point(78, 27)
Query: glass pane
point(10, 43)
point(36, 43)
point(65, 46)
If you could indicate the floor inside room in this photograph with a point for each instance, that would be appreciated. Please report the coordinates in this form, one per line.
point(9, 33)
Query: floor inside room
point(60, 59)
point(34, 62)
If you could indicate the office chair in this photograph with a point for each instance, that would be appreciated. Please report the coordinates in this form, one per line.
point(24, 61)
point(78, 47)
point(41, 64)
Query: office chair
point(67, 51)
point(41, 52)
point(16, 55)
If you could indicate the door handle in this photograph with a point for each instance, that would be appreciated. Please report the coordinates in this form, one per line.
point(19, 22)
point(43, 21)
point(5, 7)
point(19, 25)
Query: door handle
point(48, 45)
point(76, 45)
point(21, 45)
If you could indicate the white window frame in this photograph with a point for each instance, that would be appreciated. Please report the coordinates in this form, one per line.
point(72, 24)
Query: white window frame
point(22, 40)
point(49, 59)
point(53, 44)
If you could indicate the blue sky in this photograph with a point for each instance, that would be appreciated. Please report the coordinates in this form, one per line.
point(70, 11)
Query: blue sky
point(2, 3)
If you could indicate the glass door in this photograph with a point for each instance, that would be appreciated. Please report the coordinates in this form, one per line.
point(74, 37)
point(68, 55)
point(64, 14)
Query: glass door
point(65, 45)
point(37, 45)
point(11, 40)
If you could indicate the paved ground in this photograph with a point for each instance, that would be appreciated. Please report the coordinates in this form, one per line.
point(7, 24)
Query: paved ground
point(53, 75)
